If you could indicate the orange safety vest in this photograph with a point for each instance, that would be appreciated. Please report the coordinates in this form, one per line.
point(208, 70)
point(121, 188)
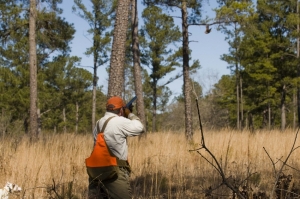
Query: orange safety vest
point(100, 156)
point(102, 159)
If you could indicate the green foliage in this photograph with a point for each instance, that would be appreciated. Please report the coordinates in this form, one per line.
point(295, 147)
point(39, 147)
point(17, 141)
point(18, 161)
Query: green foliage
point(224, 97)
point(159, 32)
point(262, 57)
point(193, 6)
point(61, 85)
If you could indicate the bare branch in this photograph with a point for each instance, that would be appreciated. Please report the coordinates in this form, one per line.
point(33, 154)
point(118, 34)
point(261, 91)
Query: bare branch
point(176, 17)
point(284, 163)
point(296, 195)
point(273, 164)
point(247, 178)
point(45, 112)
point(171, 80)
point(210, 24)
point(292, 167)
point(211, 163)
point(196, 149)
point(217, 166)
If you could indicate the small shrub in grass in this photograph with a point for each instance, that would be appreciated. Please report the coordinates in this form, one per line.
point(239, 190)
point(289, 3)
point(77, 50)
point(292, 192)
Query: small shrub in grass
point(62, 191)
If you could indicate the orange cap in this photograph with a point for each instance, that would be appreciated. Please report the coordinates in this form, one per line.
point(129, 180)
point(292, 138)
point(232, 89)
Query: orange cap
point(114, 103)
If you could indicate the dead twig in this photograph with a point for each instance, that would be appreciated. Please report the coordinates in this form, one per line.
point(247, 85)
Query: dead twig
point(291, 167)
point(278, 173)
point(54, 189)
point(215, 163)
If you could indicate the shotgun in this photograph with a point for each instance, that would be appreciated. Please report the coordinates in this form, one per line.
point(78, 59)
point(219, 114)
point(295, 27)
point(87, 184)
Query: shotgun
point(129, 104)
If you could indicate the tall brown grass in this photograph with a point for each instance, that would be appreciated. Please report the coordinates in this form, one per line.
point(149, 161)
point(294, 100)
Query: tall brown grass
point(163, 166)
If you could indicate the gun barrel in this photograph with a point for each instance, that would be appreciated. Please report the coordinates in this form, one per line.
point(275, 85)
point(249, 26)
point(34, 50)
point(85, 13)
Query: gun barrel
point(130, 102)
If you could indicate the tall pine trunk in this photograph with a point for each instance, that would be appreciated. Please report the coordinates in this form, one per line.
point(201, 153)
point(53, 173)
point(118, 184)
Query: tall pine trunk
point(294, 109)
point(269, 116)
point(95, 67)
point(33, 70)
point(65, 120)
point(154, 128)
point(117, 59)
point(140, 107)
point(237, 98)
point(283, 109)
point(95, 79)
point(298, 68)
point(241, 102)
point(186, 75)
point(77, 117)
point(39, 119)
point(94, 97)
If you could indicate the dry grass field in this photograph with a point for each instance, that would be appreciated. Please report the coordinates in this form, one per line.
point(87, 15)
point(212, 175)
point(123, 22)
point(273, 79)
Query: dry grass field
point(163, 166)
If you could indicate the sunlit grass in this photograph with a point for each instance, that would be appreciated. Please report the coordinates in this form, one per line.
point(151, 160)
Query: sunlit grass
point(162, 163)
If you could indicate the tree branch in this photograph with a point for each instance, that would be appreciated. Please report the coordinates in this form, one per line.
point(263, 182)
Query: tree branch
point(284, 163)
point(217, 166)
point(210, 24)
point(171, 80)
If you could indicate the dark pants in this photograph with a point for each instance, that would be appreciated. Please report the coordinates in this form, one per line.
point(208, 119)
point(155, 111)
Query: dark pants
point(118, 188)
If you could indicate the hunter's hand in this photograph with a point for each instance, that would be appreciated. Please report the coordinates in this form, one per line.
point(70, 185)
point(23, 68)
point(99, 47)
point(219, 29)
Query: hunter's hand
point(126, 112)
point(130, 108)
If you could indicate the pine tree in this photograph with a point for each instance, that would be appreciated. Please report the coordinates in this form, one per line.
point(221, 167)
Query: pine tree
point(140, 106)
point(53, 34)
point(293, 23)
point(116, 69)
point(222, 100)
point(100, 20)
point(236, 16)
point(190, 14)
point(277, 41)
point(159, 31)
point(266, 58)
point(33, 70)
point(65, 93)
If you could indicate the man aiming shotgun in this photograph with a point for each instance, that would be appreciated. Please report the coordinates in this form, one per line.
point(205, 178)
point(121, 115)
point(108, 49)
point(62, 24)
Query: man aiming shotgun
point(107, 167)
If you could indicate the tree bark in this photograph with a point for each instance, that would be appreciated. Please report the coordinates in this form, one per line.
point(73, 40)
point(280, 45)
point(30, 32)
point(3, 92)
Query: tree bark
point(269, 116)
point(94, 98)
point(294, 110)
point(64, 119)
point(77, 117)
point(186, 76)
point(283, 115)
point(116, 70)
point(241, 102)
point(298, 96)
point(95, 79)
point(140, 107)
point(33, 71)
point(95, 67)
point(39, 119)
point(237, 95)
point(251, 127)
point(154, 129)
point(269, 108)
point(298, 68)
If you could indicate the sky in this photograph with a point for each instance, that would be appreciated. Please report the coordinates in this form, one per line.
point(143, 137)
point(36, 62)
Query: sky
point(207, 48)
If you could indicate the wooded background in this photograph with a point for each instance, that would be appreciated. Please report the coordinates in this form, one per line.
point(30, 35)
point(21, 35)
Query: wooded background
point(262, 91)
